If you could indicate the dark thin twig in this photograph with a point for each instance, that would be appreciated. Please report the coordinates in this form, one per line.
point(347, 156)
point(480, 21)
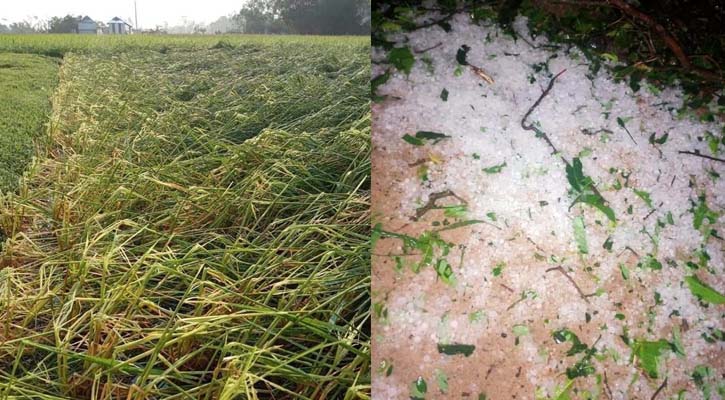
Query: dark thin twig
point(420, 161)
point(490, 369)
point(659, 389)
point(535, 245)
point(650, 213)
point(630, 135)
point(606, 385)
point(630, 249)
point(507, 288)
point(592, 132)
point(542, 134)
point(427, 49)
point(697, 154)
point(522, 298)
point(431, 204)
point(536, 104)
point(581, 107)
point(578, 289)
point(531, 127)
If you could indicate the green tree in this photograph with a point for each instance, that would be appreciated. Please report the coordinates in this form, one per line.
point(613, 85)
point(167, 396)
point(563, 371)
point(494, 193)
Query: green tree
point(320, 17)
point(67, 24)
point(325, 17)
point(22, 27)
point(258, 17)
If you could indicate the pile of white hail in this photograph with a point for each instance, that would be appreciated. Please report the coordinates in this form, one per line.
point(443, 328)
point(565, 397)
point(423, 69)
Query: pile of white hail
point(615, 290)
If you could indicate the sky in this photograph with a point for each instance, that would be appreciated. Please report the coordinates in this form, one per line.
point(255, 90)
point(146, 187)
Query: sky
point(150, 12)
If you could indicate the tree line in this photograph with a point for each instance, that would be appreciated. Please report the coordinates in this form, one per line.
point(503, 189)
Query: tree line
point(317, 17)
point(67, 24)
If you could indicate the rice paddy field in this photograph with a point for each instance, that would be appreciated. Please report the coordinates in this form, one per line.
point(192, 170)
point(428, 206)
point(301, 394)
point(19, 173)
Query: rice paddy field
point(194, 224)
point(545, 229)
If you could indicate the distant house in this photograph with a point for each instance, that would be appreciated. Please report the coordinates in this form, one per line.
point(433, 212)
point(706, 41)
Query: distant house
point(87, 26)
point(102, 29)
point(117, 26)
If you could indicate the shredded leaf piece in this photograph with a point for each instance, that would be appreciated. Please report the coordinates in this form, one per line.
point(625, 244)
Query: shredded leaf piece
point(580, 235)
point(402, 58)
point(495, 169)
point(644, 196)
point(413, 140)
point(418, 389)
point(456, 348)
point(648, 354)
point(703, 291)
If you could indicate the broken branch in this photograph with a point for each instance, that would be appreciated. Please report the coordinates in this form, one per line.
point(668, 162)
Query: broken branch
point(606, 385)
point(697, 154)
point(578, 289)
point(428, 48)
point(659, 389)
point(431, 204)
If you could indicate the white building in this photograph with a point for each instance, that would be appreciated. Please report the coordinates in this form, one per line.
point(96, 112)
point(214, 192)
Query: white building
point(117, 26)
point(87, 26)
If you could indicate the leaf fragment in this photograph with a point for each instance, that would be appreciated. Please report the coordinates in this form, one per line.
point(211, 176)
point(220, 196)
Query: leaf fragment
point(377, 82)
point(703, 212)
point(662, 139)
point(644, 196)
point(413, 140)
point(402, 58)
point(650, 262)
point(580, 235)
point(704, 292)
point(442, 380)
point(421, 137)
point(648, 354)
point(565, 335)
point(455, 349)
point(598, 203)
point(677, 346)
point(434, 136)
point(520, 330)
point(608, 244)
point(418, 389)
point(462, 53)
point(495, 169)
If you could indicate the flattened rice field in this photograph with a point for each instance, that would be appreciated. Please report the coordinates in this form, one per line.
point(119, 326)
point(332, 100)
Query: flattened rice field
point(195, 226)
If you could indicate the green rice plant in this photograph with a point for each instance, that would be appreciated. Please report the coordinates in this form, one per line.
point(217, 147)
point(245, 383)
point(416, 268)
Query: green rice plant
point(196, 228)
